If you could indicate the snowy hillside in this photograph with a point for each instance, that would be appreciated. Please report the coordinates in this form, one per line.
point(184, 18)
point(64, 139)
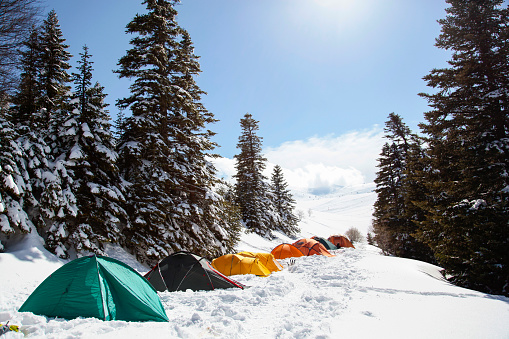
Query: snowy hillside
point(356, 294)
point(336, 212)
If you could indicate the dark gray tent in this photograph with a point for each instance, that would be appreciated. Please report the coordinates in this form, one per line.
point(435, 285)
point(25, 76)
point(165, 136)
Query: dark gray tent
point(183, 270)
point(328, 245)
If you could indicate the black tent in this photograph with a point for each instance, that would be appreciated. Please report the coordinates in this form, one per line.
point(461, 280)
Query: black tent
point(183, 270)
point(328, 245)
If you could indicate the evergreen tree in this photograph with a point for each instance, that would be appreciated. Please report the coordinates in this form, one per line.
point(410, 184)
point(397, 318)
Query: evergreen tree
point(467, 134)
point(57, 201)
point(54, 78)
point(13, 219)
point(395, 214)
point(284, 203)
point(36, 157)
point(370, 239)
point(27, 117)
point(119, 126)
point(86, 151)
point(229, 211)
point(163, 149)
point(388, 202)
point(414, 191)
point(29, 91)
point(251, 188)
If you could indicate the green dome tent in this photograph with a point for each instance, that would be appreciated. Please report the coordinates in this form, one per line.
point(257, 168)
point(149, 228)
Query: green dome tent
point(328, 245)
point(98, 287)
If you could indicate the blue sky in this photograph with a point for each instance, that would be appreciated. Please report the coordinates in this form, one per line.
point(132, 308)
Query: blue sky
point(320, 76)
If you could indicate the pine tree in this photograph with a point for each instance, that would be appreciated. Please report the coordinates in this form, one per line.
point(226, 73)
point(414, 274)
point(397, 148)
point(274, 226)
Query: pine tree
point(414, 191)
point(229, 211)
point(467, 133)
point(54, 78)
point(370, 239)
point(57, 201)
point(163, 150)
point(29, 91)
point(386, 204)
point(395, 214)
point(86, 151)
point(251, 188)
point(119, 126)
point(36, 158)
point(13, 219)
point(284, 203)
point(27, 116)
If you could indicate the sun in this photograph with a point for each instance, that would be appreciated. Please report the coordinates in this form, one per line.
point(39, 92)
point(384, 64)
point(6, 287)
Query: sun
point(329, 18)
point(336, 4)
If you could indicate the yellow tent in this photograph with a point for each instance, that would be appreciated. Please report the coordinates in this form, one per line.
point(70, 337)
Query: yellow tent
point(232, 264)
point(267, 259)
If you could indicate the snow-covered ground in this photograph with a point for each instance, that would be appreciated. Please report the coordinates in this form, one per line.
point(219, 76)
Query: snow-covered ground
point(356, 294)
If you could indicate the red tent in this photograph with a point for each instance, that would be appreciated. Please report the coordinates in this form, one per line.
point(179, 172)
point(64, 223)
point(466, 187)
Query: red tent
point(340, 241)
point(284, 251)
point(310, 246)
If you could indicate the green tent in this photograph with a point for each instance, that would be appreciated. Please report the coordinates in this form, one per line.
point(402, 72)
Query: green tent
point(328, 245)
point(98, 287)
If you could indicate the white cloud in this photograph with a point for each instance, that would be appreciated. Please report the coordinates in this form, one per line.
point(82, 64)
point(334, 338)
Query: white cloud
point(225, 167)
point(319, 163)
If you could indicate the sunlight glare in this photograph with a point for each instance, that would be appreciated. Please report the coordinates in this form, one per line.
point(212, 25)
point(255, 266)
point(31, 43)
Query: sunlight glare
point(336, 4)
point(335, 17)
point(337, 13)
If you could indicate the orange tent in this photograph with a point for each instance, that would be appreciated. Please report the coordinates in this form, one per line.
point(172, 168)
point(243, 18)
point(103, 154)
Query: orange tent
point(267, 259)
point(284, 251)
point(310, 246)
point(232, 264)
point(340, 241)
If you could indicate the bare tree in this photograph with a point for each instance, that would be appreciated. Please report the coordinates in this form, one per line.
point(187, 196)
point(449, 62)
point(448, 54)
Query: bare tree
point(354, 235)
point(17, 17)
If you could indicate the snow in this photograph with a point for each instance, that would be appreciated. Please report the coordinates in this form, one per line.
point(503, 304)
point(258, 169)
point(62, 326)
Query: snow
point(9, 182)
point(76, 153)
point(359, 293)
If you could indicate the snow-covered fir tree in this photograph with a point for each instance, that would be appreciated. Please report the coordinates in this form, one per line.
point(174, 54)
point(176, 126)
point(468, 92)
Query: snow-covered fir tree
point(284, 203)
point(13, 181)
point(229, 211)
point(43, 189)
point(251, 188)
point(57, 202)
point(162, 151)
point(468, 136)
point(395, 216)
point(27, 117)
point(84, 150)
point(54, 79)
point(29, 91)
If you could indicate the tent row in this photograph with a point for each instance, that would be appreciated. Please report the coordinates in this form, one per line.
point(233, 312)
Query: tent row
point(311, 246)
point(107, 289)
point(263, 264)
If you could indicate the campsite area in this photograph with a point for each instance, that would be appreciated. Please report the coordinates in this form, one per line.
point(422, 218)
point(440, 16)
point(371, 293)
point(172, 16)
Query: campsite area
point(358, 293)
